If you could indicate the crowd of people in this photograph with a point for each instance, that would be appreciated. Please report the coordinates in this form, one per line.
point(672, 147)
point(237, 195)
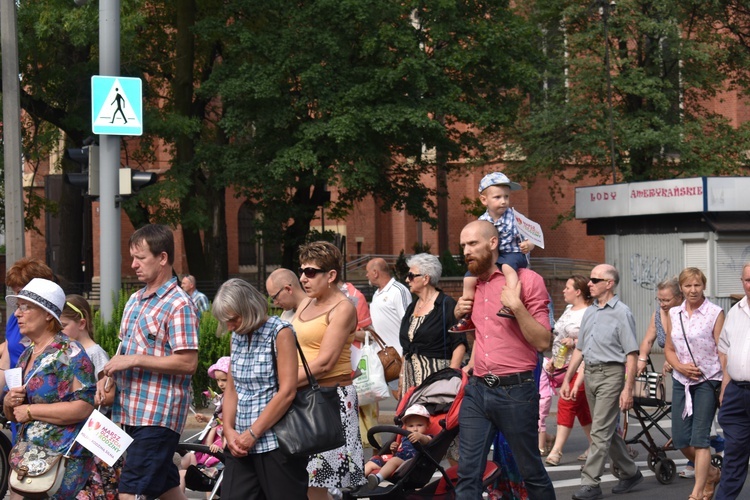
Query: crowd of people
point(497, 332)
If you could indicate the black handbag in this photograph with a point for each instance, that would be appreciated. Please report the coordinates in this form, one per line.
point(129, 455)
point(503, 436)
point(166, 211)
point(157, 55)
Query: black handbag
point(716, 388)
point(313, 422)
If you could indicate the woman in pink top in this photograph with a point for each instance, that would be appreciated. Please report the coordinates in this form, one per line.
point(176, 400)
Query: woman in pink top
point(691, 349)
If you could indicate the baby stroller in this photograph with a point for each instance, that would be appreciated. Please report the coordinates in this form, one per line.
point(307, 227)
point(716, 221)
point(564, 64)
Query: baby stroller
point(441, 394)
point(197, 478)
point(649, 408)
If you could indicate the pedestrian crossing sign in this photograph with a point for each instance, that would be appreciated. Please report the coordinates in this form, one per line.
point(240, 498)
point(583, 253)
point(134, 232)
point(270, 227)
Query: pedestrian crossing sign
point(116, 105)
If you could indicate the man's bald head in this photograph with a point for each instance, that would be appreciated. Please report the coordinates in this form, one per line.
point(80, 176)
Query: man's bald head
point(378, 272)
point(282, 277)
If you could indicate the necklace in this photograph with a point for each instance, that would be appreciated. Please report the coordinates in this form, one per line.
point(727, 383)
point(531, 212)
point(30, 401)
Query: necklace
point(33, 347)
point(425, 302)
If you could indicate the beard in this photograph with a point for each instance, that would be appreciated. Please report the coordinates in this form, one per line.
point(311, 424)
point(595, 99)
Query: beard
point(480, 263)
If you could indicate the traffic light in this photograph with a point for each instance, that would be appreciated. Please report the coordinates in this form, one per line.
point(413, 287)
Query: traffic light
point(133, 180)
point(88, 180)
point(88, 158)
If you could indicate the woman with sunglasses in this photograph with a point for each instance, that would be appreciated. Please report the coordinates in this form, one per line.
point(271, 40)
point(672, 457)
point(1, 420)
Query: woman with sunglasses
point(691, 349)
point(325, 323)
point(426, 343)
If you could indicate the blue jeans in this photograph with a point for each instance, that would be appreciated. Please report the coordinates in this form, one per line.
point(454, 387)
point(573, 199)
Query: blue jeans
point(486, 410)
point(694, 430)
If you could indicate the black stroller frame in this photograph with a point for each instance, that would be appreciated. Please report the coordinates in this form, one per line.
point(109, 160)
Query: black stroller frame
point(195, 479)
point(649, 411)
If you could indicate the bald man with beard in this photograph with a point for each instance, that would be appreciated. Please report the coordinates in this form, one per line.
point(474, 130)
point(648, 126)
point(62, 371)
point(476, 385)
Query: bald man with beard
point(502, 392)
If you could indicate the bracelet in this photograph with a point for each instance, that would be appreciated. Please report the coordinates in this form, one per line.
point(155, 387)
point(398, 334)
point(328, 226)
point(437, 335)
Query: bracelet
point(644, 360)
point(28, 412)
point(250, 429)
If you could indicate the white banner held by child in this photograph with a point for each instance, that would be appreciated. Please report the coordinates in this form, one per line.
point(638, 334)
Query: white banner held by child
point(529, 229)
point(103, 438)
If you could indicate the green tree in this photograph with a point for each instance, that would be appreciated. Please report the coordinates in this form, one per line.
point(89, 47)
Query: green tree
point(357, 94)
point(667, 62)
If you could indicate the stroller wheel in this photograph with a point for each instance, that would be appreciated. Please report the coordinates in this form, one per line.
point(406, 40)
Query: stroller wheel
point(666, 470)
point(654, 458)
point(717, 460)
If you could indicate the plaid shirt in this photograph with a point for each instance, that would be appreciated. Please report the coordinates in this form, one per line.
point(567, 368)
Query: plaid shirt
point(201, 302)
point(156, 325)
point(254, 372)
point(507, 232)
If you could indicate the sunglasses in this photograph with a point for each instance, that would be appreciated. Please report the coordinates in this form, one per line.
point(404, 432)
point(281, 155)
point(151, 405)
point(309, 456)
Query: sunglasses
point(598, 280)
point(310, 272)
point(410, 275)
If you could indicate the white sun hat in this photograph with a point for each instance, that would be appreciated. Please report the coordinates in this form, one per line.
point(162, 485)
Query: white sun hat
point(44, 293)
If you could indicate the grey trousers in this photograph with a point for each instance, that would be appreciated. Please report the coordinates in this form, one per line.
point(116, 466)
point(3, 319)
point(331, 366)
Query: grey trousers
point(604, 383)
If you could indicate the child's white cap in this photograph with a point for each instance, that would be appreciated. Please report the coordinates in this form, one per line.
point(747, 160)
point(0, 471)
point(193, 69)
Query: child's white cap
point(497, 179)
point(416, 410)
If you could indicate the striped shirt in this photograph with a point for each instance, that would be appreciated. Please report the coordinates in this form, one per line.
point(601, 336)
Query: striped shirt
point(507, 232)
point(157, 324)
point(255, 380)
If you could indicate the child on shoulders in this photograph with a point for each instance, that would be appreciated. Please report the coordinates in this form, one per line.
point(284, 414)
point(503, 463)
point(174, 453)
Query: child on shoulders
point(494, 193)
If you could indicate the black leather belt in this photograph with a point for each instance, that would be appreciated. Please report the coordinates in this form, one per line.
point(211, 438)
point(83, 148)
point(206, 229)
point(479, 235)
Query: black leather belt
point(491, 380)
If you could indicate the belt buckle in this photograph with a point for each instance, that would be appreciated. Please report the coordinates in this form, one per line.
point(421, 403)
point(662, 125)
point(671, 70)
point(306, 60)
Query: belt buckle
point(491, 380)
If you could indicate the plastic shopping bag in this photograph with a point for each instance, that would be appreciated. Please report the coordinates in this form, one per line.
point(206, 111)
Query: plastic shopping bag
point(370, 385)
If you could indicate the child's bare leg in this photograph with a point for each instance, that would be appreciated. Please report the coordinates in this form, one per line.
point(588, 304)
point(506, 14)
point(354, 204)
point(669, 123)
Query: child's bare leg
point(470, 285)
point(511, 281)
point(369, 467)
point(390, 467)
point(464, 323)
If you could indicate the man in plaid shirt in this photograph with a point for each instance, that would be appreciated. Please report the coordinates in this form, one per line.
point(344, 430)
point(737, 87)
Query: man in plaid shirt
point(152, 369)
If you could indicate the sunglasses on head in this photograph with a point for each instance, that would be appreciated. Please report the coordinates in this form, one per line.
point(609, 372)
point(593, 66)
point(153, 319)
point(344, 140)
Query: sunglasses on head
point(310, 272)
point(598, 280)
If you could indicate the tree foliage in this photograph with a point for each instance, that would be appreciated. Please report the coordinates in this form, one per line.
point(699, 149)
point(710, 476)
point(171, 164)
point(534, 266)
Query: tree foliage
point(352, 94)
point(670, 64)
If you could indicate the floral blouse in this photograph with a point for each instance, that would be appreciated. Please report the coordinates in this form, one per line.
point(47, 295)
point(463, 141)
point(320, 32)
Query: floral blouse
point(50, 380)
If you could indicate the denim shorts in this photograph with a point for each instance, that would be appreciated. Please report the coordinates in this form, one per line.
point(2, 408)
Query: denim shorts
point(149, 469)
point(694, 430)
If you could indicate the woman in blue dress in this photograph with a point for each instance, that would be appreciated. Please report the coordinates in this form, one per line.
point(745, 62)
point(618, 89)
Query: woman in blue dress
point(58, 387)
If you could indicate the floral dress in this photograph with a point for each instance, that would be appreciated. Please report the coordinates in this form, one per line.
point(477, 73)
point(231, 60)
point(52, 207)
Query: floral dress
point(50, 380)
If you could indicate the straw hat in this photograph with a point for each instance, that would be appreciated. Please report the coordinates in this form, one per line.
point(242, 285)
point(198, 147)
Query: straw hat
point(44, 293)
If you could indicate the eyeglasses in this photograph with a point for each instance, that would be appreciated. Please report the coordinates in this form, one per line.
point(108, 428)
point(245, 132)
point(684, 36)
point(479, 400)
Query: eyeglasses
point(310, 272)
point(276, 295)
point(24, 308)
point(598, 280)
point(410, 275)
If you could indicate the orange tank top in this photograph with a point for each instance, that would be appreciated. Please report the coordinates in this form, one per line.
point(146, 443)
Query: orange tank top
point(310, 335)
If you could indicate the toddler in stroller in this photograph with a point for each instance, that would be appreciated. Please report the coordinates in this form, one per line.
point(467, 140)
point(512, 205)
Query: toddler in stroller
point(440, 395)
point(202, 463)
point(380, 467)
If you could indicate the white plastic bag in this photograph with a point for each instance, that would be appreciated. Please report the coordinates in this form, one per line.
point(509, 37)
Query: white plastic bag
point(370, 385)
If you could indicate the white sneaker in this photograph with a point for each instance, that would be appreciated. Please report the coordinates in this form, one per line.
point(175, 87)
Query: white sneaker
point(687, 473)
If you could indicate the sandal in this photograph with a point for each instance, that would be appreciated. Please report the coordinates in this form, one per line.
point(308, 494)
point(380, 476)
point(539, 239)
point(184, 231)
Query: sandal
point(554, 457)
point(714, 475)
point(584, 456)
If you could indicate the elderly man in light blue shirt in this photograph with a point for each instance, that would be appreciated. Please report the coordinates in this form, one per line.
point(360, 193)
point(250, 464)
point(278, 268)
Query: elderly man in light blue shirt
point(608, 344)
